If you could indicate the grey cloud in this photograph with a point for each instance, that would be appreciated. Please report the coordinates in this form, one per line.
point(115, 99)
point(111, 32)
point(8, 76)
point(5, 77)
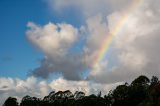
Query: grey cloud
point(137, 46)
point(55, 41)
point(71, 68)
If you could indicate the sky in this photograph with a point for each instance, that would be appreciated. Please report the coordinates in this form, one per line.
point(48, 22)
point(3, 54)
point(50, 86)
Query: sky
point(84, 45)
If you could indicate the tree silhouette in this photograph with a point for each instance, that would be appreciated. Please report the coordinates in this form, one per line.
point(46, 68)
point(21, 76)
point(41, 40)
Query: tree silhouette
point(121, 95)
point(11, 102)
point(141, 92)
point(30, 101)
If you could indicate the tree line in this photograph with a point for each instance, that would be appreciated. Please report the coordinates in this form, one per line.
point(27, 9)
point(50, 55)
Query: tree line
point(140, 92)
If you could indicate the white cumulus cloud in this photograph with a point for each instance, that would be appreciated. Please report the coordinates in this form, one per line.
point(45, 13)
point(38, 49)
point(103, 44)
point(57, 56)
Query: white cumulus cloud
point(19, 88)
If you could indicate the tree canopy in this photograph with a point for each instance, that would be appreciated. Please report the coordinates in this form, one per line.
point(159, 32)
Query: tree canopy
point(141, 92)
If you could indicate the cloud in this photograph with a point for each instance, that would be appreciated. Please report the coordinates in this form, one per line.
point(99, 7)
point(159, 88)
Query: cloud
point(56, 42)
point(31, 86)
point(18, 88)
point(51, 37)
point(87, 7)
point(85, 86)
point(133, 52)
point(136, 45)
point(90, 8)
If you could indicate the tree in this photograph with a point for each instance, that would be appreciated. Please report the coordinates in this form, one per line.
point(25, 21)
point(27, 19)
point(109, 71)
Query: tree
point(109, 99)
point(141, 80)
point(139, 90)
point(154, 93)
point(139, 93)
point(11, 102)
point(30, 101)
point(79, 95)
point(154, 80)
point(121, 95)
point(60, 98)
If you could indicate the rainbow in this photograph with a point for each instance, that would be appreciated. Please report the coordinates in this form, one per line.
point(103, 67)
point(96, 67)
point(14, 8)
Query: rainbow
point(110, 36)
